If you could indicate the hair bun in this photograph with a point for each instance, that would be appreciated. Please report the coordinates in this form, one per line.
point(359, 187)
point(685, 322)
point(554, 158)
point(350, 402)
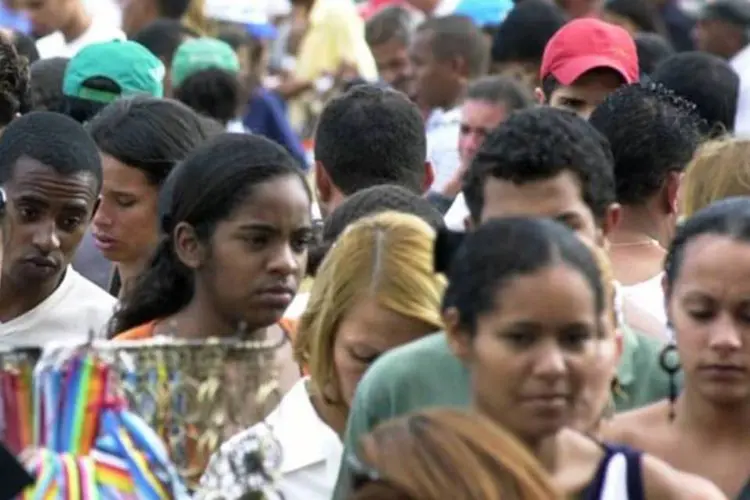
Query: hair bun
point(447, 244)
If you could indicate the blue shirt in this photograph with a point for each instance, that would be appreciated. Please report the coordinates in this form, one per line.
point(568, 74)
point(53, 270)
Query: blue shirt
point(14, 20)
point(266, 116)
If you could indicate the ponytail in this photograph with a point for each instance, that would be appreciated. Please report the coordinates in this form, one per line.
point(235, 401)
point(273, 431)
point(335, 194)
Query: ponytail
point(163, 289)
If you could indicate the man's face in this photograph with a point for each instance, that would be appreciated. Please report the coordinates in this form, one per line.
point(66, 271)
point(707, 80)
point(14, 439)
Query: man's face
point(717, 37)
point(47, 216)
point(478, 118)
point(47, 16)
point(559, 198)
point(392, 59)
point(586, 93)
point(434, 81)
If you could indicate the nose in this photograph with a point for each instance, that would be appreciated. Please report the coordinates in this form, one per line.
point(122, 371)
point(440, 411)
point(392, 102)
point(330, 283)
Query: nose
point(285, 261)
point(550, 361)
point(46, 238)
point(726, 336)
point(102, 217)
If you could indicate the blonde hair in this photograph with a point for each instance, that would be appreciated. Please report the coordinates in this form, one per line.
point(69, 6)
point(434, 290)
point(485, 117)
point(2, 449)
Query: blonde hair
point(388, 256)
point(720, 169)
point(448, 453)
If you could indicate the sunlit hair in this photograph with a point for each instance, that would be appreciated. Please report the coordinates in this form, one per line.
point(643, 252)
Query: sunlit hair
point(447, 453)
point(388, 256)
point(719, 170)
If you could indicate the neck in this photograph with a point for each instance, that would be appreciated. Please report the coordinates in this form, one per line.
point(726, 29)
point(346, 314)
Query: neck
point(18, 300)
point(79, 22)
point(718, 423)
point(129, 272)
point(334, 416)
point(200, 320)
point(640, 222)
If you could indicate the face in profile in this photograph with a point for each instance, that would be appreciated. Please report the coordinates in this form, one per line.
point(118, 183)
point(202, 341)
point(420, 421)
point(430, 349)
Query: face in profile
point(709, 307)
point(530, 359)
point(394, 67)
point(125, 225)
point(48, 216)
point(365, 332)
point(256, 257)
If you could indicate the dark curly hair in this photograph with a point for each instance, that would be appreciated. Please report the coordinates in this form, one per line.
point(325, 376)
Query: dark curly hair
point(652, 132)
point(15, 93)
point(538, 144)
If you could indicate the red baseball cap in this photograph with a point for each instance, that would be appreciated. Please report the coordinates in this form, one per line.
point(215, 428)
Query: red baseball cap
point(585, 44)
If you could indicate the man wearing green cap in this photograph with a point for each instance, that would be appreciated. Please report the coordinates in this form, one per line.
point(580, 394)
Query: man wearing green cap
point(102, 72)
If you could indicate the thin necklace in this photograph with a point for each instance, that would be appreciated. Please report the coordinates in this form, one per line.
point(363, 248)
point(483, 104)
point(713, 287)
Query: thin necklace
point(650, 242)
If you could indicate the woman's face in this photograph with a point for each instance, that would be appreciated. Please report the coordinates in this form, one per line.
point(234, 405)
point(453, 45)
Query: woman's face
point(125, 226)
point(365, 332)
point(533, 356)
point(709, 307)
point(258, 254)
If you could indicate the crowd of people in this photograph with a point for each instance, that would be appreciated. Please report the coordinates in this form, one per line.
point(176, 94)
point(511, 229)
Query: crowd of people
point(504, 243)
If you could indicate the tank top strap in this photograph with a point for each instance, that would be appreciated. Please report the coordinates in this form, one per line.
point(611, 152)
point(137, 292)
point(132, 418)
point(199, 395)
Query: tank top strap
point(619, 476)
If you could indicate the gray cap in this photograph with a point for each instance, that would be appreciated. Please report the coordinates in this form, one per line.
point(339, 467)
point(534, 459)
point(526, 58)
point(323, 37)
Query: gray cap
point(735, 12)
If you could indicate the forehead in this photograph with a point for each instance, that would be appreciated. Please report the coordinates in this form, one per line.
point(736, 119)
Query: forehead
point(390, 48)
point(31, 177)
point(278, 201)
point(552, 197)
point(729, 273)
point(483, 112)
point(596, 83)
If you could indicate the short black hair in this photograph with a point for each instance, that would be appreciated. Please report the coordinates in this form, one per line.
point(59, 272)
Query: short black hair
point(524, 33)
point(83, 110)
point(652, 132)
point(707, 81)
point(370, 201)
point(652, 49)
point(369, 136)
point(500, 251)
point(46, 84)
point(172, 9)
point(390, 23)
point(26, 46)
point(457, 36)
point(211, 92)
point(148, 134)
point(15, 93)
point(538, 144)
point(163, 36)
point(52, 139)
point(501, 90)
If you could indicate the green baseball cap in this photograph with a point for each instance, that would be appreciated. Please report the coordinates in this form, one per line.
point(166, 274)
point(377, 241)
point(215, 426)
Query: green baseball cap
point(128, 64)
point(198, 54)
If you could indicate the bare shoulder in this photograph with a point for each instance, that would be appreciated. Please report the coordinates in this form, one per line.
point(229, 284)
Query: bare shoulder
point(662, 481)
point(635, 426)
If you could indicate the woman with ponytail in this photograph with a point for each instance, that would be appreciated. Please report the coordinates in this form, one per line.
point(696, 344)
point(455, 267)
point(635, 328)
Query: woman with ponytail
point(236, 232)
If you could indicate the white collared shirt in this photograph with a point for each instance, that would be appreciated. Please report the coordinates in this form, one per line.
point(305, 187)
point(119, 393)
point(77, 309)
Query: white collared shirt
point(310, 450)
point(442, 129)
point(54, 45)
point(455, 217)
point(741, 64)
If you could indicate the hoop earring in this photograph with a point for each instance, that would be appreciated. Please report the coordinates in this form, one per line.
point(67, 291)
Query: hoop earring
point(671, 367)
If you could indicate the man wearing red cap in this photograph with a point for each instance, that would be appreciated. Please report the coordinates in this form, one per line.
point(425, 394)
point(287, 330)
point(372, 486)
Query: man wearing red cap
point(584, 62)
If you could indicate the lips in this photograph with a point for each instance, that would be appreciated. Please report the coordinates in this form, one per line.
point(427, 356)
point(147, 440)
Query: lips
point(723, 371)
point(41, 267)
point(277, 296)
point(104, 242)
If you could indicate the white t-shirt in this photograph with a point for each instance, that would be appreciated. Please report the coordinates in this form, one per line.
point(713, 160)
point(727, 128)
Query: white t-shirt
point(76, 308)
point(442, 130)
point(649, 296)
point(100, 31)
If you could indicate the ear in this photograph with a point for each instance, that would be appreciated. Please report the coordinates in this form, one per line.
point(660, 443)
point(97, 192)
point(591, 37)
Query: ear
point(671, 192)
point(323, 186)
point(188, 248)
point(429, 176)
point(539, 95)
point(460, 66)
point(610, 221)
point(459, 340)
